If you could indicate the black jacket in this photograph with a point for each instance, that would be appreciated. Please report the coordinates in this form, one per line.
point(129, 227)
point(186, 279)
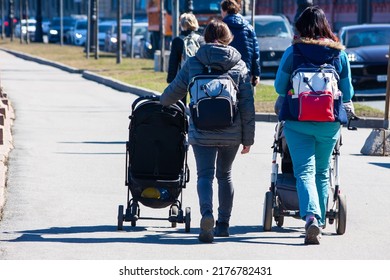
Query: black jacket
point(176, 54)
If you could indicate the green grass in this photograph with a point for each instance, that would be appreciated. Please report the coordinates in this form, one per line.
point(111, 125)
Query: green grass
point(138, 72)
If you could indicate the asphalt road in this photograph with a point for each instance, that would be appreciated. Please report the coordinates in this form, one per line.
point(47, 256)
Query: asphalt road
point(66, 180)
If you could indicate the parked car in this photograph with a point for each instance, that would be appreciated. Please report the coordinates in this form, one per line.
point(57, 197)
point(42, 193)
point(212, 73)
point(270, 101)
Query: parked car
point(24, 26)
point(103, 28)
point(146, 47)
point(77, 35)
point(54, 35)
point(140, 34)
point(110, 42)
point(367, 46)
point(274, 34)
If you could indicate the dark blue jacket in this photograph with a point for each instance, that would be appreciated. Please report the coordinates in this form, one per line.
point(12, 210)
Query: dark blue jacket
point(245, 41)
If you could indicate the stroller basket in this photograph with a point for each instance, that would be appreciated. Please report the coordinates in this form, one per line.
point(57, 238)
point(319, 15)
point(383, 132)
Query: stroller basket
point(286, 192)
point(156, 193)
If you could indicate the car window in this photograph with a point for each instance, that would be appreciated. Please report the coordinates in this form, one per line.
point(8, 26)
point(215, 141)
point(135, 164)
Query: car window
point(68, 22)
point(82, 25)
point(271, 29)
point(65, 21)
point(202, 6)
point(125, 29)
point(141, 31)
point(104, 28)
point(361, 38)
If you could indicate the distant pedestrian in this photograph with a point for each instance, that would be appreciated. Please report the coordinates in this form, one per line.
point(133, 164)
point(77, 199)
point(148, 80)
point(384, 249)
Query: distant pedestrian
point(245, 40)
point(188, 31)
point(301, 6)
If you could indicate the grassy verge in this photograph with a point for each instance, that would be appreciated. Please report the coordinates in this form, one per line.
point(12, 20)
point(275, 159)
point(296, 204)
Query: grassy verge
point(138, 72)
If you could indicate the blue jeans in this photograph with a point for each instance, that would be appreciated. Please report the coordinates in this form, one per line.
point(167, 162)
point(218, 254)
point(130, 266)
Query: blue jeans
point(311, 145)
point(215, 161)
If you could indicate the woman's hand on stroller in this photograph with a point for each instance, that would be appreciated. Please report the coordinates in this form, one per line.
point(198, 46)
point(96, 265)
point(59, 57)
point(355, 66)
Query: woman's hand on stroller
point(350, 109)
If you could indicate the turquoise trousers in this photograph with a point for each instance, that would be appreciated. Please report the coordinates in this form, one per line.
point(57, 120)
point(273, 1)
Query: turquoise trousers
point(311, 145)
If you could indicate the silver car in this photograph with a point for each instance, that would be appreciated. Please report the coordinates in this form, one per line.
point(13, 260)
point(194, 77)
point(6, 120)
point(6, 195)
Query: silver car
point(141, 34)
point(275, 35)
point(110, 41)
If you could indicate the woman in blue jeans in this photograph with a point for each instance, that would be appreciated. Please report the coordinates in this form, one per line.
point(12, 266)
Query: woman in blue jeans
point(311, 143)
point(215, 150)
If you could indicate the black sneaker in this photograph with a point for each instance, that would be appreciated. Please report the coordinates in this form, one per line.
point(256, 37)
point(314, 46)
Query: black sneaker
point(221, 229)
point(313, 233)
point(206, 228)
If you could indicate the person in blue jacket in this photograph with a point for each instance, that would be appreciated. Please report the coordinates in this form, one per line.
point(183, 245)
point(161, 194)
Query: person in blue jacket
point(311, 143)
point(245, 40)
point(301, 6)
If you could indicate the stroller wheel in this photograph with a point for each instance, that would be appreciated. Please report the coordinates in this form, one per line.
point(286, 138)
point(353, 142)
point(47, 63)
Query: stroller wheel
point(188, 219)
point(173, 212)
point(120, 217)
point(134, 213)
point(267, 211)
point(341, 221)
point(279, 221)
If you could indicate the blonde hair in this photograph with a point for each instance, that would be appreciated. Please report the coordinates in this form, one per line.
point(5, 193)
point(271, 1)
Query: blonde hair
point(188, 22)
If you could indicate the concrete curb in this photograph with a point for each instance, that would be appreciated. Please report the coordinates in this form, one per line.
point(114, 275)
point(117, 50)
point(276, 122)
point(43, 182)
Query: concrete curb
point(7, 117)
point(118, 85)
point(43, 61)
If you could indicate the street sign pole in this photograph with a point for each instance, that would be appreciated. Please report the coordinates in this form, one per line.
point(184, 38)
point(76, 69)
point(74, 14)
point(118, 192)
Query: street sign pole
point(387, 102)
point(119, 34)
point(162, 36)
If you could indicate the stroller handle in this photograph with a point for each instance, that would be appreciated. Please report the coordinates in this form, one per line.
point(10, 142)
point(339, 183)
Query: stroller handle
point(179, 103)
point(352, 118)
point(142, 98)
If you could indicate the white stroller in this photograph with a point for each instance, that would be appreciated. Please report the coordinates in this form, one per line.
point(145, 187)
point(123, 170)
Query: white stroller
point(282, 200)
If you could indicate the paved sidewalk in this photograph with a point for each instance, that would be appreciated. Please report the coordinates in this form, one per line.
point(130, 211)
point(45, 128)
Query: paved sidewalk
point(6, 128)
point(66, 179)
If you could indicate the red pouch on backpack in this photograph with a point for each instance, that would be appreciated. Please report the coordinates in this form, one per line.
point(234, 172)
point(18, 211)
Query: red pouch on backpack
point(316, 106)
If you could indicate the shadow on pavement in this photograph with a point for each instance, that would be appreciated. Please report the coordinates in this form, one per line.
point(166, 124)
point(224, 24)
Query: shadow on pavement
point(157, 235)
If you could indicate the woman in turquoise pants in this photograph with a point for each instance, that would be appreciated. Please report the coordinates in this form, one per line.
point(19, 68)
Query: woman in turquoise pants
point(311, 143)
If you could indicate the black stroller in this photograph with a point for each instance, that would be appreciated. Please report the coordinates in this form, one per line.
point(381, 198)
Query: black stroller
point(156, 161)
point(282, 200)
